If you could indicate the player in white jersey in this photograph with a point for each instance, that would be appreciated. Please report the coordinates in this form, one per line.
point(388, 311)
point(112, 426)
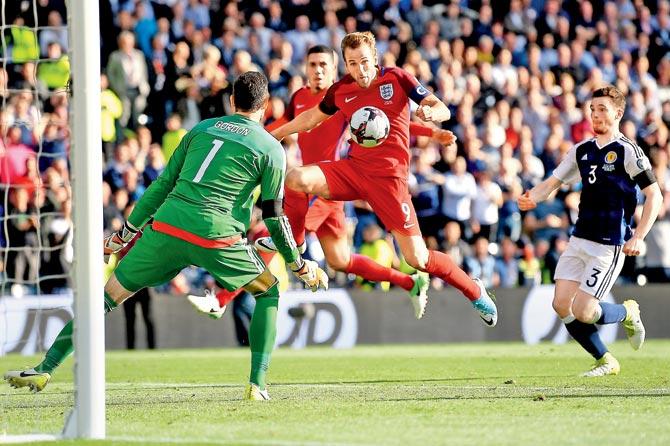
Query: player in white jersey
point(610, 166)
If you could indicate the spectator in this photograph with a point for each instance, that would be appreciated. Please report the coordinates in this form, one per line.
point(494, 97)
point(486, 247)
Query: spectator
point(128, 78)
point(482, 264)
point(459, 191)
point(111, 111)
point(376, 247)
point(485, 205)
point(146, 27)
point(143, 299)
point(301, 38)
point(56, 32)
point(547, 220)
point(53, 148)
point(175, 132)
point(425, 184)
point(529, 266)
point(507, 264)
point(16, 154)
point(21, 228)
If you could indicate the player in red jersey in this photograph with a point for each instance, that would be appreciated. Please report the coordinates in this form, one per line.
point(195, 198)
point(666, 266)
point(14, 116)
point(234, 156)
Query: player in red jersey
point(379, 175)
point(325, 217)
point(322, 216)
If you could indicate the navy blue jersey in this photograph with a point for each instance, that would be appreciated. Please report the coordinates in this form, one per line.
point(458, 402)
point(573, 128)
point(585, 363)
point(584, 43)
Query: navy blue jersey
point(609, 175)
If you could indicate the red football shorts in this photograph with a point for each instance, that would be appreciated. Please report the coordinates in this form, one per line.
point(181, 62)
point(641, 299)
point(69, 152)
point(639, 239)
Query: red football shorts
point(388, 196)
point(325, 218)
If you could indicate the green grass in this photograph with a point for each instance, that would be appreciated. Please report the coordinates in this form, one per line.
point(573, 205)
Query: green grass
point(464, 394)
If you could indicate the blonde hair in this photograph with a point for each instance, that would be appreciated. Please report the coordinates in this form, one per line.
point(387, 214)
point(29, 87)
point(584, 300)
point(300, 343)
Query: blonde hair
point(355, 40)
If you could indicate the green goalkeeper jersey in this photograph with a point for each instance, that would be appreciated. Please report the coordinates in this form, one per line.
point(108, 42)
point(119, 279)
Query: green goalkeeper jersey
point(207, 186)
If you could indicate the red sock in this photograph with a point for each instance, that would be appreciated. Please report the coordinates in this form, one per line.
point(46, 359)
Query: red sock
point(295, 207)
point(440, 265)
point(370, 270)
point(225, 297)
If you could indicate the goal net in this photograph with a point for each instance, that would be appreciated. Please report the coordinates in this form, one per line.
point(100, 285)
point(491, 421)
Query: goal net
point(50, 216)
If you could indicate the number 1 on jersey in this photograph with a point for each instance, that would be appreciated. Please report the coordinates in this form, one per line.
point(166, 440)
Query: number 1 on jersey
point(216, 145)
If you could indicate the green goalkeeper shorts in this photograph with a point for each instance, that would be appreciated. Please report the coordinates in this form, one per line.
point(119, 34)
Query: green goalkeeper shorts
point(156, 258)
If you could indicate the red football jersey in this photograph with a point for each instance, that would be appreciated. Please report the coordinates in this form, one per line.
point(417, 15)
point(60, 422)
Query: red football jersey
point(322, 143)
point(390, 91)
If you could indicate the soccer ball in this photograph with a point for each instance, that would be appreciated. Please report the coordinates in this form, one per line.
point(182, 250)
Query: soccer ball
point(369, 126)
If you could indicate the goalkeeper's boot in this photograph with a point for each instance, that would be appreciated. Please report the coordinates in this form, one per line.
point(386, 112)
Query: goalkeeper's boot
point(265, 244)
point(31, 378)
point(633, 324)
point(254, 393)
point(207, 304)
point(419, 293)
point(607, 365)
point(485, 306)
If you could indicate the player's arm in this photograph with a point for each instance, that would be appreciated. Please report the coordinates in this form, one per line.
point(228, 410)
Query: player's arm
point(158, 190)
point(276, 124)
point(566, 172)
point(539, 193)
point(432, 109)
point(303, 122)
point(272, 194)
point(147, 205)
point(638, 167)
point(444, 137)
point(653, 200)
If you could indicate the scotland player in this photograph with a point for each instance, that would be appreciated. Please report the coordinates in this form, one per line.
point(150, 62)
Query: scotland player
point(609, 166)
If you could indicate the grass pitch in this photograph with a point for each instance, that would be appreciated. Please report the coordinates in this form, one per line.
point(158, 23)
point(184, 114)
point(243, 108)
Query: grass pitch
point(463, 394)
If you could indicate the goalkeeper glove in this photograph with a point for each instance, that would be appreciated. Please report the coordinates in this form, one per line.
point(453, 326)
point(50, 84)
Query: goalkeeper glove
point(310, 274)
point(115, 242)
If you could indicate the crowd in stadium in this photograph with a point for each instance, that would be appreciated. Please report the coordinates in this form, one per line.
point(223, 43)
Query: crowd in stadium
point(516, 75)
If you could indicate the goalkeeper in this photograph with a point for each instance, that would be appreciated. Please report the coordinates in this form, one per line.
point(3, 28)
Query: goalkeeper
point(201, 206)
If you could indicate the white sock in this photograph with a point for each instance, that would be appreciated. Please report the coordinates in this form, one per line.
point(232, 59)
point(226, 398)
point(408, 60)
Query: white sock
point(569, 318)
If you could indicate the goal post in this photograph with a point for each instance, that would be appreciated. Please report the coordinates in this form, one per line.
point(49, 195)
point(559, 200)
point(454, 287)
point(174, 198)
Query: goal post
point(87, 420)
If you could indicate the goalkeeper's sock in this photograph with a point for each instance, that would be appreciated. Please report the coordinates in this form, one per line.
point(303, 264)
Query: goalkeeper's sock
point(62, 346)
point(440, 264)
point(586, 335)
point(368, 269)
point(296, 205)
point(262, 333)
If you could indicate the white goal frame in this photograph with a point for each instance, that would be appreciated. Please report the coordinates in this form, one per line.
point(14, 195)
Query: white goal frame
point(87, 419)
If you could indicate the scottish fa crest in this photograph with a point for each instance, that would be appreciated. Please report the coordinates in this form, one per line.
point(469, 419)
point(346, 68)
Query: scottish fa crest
point(386, 91)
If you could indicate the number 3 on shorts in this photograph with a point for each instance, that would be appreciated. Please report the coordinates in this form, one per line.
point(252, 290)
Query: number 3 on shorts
point(594, 276)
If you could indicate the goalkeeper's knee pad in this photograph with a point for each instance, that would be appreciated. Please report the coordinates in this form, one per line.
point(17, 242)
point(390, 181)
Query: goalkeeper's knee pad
point(273, 291)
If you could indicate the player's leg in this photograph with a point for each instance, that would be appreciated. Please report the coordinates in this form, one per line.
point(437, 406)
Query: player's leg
point(38, 377)
point(600, 274)
point(391, 201)
point(587, 312)
point(439, 264)
point(296, 205)
point(568, 276)
point(139, 268)
point(262, 331)
point(240, 266)
point(308, 179)
point(328, 180)
point(339, 257)
point(584, 333)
